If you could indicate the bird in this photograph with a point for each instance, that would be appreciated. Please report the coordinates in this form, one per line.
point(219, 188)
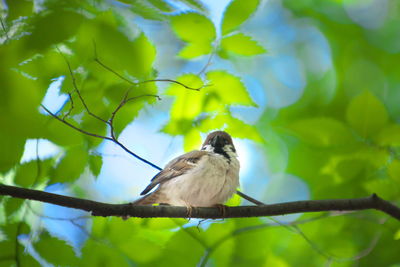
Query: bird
point(200, 178)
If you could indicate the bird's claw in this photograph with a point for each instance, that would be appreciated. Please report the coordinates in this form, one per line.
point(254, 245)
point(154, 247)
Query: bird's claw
point(189, 211)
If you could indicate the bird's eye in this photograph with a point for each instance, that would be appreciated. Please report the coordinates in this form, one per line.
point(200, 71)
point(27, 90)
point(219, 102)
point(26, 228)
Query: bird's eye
point(226, 141)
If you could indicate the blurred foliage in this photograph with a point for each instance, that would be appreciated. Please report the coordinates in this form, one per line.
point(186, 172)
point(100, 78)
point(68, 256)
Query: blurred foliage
point(343, 142)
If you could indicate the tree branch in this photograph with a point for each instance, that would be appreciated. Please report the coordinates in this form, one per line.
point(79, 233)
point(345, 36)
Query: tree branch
point(105, 209)
point(98, 61)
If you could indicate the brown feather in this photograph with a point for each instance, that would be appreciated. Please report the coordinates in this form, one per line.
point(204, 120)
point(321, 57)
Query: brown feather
point(175, 168)
point(223, 134)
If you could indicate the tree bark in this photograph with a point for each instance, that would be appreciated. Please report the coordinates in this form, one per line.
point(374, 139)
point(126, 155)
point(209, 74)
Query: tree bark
point(128, 210)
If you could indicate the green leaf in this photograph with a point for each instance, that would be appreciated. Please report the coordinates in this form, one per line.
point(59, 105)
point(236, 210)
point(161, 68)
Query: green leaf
point(241, 129)
point(234, 126)
point(95, 163)
point(176, 254)
point(71, 166)
point(344, 167)
point(242, 45)
point(130, 236)
point(161, 4)
point(215, 234)
point(18, 8)
point(276, 150)
point(145, 10)
point(389, 135)
point(192, 140)
point(124, 53)
point(387, 188)
point(236, 13)
point(228, 88)
point(193, 50)
point(8, 246)
point(322, 131)
point(12, 148)
point(13, 205)
point(397, 235)
point(32, 172)
point(188, 103)
point(366, 114)
point(140, 96)
point(60, 134)
point(55, 251)
point(196, 4)
point(394, 170)
point(193, 27)
point(98, 254)
point(53, 28)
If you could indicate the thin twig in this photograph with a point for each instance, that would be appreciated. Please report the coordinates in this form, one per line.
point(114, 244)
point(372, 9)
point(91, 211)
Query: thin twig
point(208, 63)
point(328, 256)
point(228, 236)
point(249, 198)
point(121, 104)
point(108, 122)
point(135, 155)
point(295, 225)
point(98, 61)
point(71, 107)
point(173, 81)
point(73, 126)
point(102, 137)
point(77, 89)
point(192, 235)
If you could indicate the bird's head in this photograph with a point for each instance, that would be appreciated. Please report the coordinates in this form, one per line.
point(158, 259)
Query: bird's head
point(219, 142)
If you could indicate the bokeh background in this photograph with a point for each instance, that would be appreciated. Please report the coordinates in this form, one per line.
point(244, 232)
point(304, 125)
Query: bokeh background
point(311, 97)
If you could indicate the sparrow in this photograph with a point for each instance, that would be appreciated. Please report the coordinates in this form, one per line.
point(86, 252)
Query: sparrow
point(201, 178)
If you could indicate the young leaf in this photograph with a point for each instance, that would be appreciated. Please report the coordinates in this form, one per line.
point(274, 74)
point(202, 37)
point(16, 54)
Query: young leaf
point(145, 10)
point(121, 53)
point(236, 13)
point(56, 251)
point(16, 9)
point(242, 45)
point(53, 28)
point(8, 246)
point(322, 131)
point(12, 148)
point(99, 254)
point(161, 4)
point(389, 135)
point(13, 205)
point(193, 27)
point(229, 89)
point(193, 50)
point(71, 166)
point(195, 4)
point(234, 126)
point(95, 163)
point(32, 172)
point(394, 170)
point(366, 114)
point(192, 140)
point(188, 103)
point(131, 109)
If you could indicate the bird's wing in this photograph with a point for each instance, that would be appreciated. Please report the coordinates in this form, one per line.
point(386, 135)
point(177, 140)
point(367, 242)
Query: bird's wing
point(176, 167)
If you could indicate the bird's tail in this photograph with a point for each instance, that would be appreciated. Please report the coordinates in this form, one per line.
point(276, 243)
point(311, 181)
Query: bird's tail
point(148, 199)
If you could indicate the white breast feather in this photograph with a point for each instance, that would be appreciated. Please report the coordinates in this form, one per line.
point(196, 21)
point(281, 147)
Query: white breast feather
point(213, 181)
